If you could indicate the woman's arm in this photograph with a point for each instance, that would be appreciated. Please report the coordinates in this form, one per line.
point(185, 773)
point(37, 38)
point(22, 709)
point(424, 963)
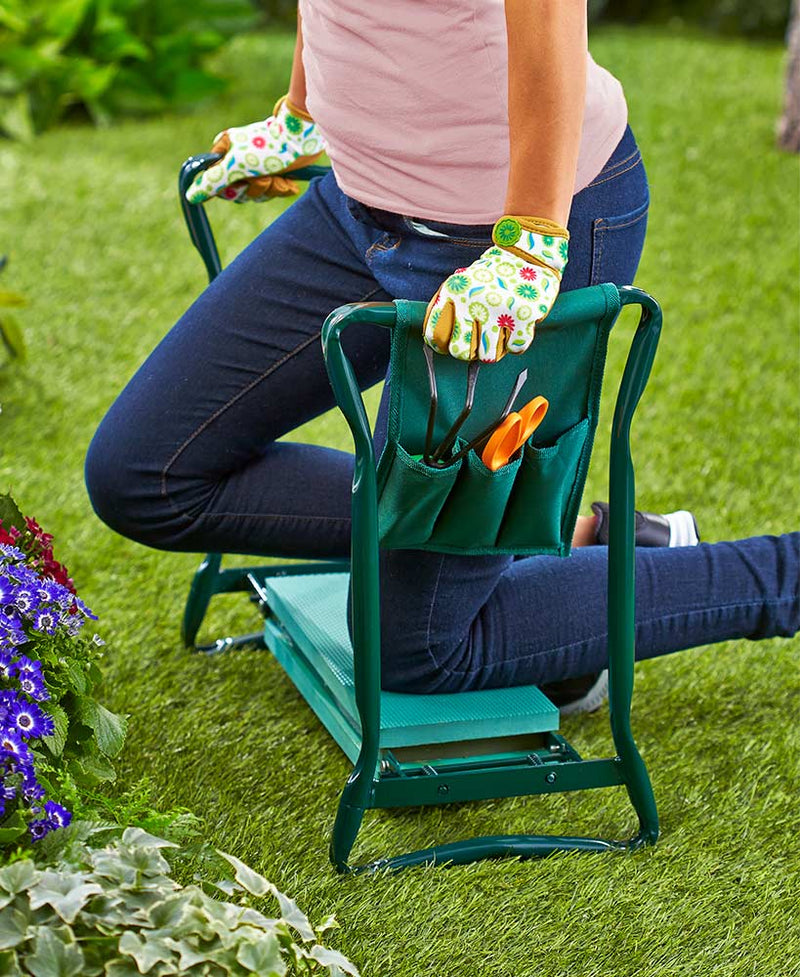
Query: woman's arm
point(297, 84)
point(547, 44)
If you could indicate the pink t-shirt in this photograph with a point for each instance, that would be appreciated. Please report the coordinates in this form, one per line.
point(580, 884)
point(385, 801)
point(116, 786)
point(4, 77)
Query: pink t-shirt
point(411, 97)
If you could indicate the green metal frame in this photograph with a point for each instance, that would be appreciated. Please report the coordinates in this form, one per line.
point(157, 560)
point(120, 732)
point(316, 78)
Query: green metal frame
point(377, 780)
point(210, 578)
point(364, 789)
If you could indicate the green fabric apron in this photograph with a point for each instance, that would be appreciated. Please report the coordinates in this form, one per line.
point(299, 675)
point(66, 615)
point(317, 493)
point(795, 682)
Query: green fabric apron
point(530, 505)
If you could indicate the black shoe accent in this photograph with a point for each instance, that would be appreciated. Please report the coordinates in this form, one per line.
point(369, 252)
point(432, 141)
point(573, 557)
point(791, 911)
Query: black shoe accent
point(649, 529)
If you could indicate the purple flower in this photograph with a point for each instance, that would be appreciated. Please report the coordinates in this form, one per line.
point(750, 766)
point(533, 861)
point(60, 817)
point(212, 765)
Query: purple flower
point(7, 792)
point(84, 609)
point(29, 720)
point(32, 790)
point(12, 744)
point(11, 629)
point(45, 620)
point(9, 552)
point(28, 666)
point(39, 829)
point(58, 816)
point(73, 624)
point(26, 600)
point(32, 685)
point(7, 590)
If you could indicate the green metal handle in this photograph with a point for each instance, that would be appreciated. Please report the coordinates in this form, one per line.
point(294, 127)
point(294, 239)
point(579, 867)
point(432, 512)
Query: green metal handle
point(195, 215)
point(364, 565)
point(622, 558)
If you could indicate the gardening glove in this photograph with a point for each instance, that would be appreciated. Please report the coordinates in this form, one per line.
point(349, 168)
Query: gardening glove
point(254, 155)
point(492, 307)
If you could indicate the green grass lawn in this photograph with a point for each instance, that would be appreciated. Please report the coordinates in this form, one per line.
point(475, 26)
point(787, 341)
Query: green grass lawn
point(95, 238)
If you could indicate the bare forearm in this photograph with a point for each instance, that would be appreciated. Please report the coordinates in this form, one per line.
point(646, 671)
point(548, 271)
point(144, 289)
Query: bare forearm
point(547, 42)
point(297, 84)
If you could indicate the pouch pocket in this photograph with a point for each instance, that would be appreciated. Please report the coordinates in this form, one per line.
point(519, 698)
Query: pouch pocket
point(474, 511)
point(411, 497)
point(536, 512)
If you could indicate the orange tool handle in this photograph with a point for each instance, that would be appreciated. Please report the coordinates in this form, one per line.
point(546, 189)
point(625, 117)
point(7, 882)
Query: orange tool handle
point(509, 436)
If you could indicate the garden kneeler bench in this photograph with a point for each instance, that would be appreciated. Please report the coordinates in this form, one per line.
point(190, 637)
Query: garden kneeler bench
point(411, 750)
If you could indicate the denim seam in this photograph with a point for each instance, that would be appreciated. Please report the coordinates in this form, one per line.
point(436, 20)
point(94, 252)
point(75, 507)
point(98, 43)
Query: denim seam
point(275, 515)
point(221, 410)
point(430, 613)
point(618, 174)
point(611, 170)
point(604, 223)
point(575, 644)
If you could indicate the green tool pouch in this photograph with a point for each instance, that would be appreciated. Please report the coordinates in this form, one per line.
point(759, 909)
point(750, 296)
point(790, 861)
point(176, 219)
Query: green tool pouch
point(530, 505)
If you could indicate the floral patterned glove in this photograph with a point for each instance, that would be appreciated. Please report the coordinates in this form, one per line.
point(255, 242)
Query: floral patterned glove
point(492, 307)
point(254, 154)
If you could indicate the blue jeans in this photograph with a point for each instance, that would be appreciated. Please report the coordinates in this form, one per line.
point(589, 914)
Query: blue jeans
point(188, 457)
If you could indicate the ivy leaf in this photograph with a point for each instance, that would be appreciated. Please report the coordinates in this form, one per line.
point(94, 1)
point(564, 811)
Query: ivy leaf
point(8, 964)
point(66, 893)
point(140, 837)
point(122, 968)
point(146, 951)
point(336, 962)
point(13, 928)
point(262, 957)
point(255, 884)
point(18, 876)
point(56, 742)
point(109, 728)
point(53, 958)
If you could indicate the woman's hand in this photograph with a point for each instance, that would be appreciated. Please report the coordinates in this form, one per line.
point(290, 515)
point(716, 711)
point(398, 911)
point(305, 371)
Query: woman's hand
point(254, 156)
point(492, 307)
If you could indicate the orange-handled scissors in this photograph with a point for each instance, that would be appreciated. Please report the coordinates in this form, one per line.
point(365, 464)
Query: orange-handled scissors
point(512, 432)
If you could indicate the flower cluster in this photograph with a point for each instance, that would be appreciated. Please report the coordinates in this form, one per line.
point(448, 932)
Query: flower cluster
point(31, 606)
point(37, 546)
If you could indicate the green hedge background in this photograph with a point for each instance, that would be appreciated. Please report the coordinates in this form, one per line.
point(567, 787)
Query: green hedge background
point(762, 18)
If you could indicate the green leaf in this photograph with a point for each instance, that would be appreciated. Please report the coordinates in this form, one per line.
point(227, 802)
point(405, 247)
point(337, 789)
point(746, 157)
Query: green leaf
point(76, 676)
point(256, 884)
point(13, 928)
point(67, 893)
point(52, 958)
point(262, 957)
point(146, 951)
point(9, 834)
point(336, 962)
point(140, 838)
point(66, 17)
point(10, 299)
point(8, 964)
point(91, 769)
point(109, 728)
point(55, 743)
point(10, 514)
point(16, 120)
point(18, 876)
point(12, 337)
point(122, 968)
